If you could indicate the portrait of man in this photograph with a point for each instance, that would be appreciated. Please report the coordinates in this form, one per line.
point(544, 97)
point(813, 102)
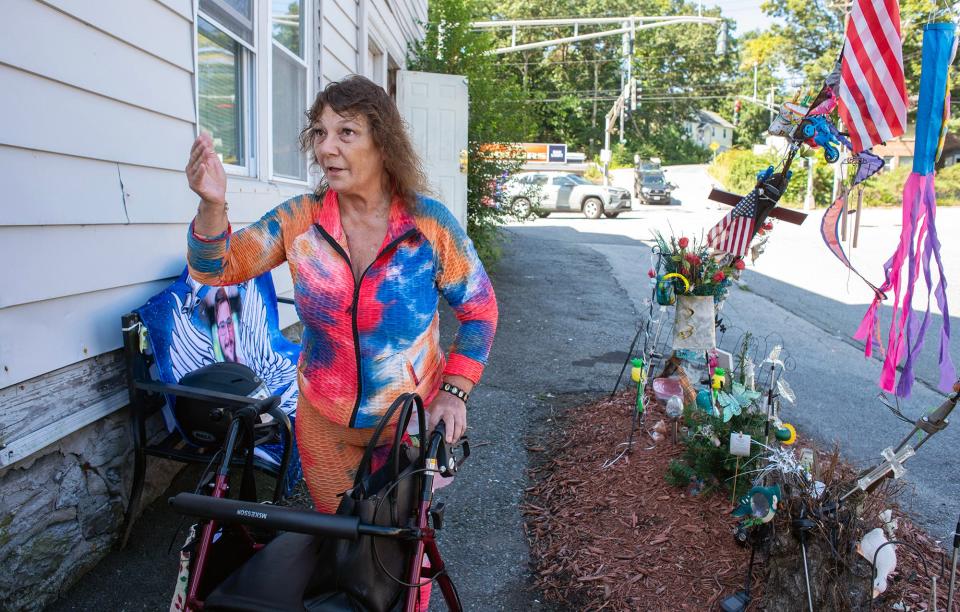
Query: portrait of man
point(223, 314)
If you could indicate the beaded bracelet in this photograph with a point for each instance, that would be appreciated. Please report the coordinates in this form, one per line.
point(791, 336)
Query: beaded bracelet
point(455, 390)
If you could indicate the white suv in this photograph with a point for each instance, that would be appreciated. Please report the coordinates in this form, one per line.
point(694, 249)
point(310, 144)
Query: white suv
point(547, 192)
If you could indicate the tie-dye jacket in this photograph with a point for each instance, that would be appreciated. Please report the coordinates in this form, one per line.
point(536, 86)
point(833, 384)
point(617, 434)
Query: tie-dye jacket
point(367, 341)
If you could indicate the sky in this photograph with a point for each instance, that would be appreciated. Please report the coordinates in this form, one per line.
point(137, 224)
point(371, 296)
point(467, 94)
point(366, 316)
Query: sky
point(747, 13)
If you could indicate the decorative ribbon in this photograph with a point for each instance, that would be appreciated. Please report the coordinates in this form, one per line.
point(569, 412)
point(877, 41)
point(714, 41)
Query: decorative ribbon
point(918, 238)
point(686, 283)
point(830, 230)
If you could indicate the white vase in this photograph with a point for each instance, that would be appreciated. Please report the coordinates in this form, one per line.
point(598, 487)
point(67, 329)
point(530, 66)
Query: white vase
point(694, 325)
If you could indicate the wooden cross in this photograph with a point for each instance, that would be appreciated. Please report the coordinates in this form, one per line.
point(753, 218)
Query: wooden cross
point(784, 214)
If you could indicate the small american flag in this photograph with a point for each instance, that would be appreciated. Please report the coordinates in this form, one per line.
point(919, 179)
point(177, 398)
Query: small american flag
point(735, 231)
point(873, 96)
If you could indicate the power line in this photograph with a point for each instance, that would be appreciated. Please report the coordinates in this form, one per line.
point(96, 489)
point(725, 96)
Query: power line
point(547, 61)
point(642, 100)
point(704, 89)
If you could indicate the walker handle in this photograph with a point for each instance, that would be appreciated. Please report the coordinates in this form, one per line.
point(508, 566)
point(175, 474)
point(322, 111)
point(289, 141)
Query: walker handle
point(267, 515)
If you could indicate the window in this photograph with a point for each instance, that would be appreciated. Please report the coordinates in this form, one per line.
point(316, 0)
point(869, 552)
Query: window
point(539, 179)
point(289, 81)
point(375, 71)
point(236, 41)
point(234, 15)
point(561, 180)
point(224, 92)
point(392, 69)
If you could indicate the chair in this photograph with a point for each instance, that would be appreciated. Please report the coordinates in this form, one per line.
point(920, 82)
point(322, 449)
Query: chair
point(184, 328)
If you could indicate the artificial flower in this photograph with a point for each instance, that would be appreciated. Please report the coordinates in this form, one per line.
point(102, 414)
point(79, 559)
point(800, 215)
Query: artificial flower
point(683, 242)
point(739, 264)
point(719, 276)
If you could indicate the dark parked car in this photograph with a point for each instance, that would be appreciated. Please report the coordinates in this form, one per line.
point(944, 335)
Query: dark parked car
point(654, 189)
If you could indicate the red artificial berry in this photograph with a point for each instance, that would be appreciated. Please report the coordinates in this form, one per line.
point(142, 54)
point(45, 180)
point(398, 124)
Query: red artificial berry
point(651, 273)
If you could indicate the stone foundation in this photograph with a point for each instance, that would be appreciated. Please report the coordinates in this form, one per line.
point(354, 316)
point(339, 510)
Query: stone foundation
point(61, 509)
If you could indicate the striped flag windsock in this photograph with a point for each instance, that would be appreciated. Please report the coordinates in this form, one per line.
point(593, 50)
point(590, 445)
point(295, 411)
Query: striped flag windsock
point(873, 96)
point(735, 231)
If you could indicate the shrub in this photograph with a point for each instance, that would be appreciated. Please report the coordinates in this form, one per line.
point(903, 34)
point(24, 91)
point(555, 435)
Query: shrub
point(736, 171)
point(451, 46)
point(886, 188)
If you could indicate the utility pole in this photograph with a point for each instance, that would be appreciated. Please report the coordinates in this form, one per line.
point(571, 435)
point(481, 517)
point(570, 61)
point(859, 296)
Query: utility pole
point(808, 201)
point(772, 101)
point(611, 122)
point(596, 67)
point(626, 75)
point(837, 170)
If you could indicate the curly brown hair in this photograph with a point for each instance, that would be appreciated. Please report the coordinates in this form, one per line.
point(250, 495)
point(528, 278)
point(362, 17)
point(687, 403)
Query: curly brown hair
point(358, 95)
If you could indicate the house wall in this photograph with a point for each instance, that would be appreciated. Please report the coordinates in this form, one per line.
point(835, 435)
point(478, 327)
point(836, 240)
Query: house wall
point(99, 108)
point(705, 133)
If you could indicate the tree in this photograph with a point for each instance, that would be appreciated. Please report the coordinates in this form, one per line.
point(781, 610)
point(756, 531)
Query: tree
point(810, 42)
point(451, 46)
point(570, 87)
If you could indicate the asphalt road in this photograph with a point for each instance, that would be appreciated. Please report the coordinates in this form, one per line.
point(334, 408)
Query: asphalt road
point(565, 325)
point(799, 291)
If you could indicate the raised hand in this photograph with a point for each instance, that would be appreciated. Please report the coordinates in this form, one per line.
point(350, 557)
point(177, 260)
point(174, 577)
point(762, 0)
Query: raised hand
point(205, 173)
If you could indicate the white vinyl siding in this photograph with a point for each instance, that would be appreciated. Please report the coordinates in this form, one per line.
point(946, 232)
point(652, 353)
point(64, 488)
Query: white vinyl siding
point(338, 36)
point(98, 107)
point(150, 26)
point(98, 101)
point(46, 115)
point(396, 23)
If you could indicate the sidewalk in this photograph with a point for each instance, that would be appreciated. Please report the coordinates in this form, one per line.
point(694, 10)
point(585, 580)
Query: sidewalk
point(565, 324)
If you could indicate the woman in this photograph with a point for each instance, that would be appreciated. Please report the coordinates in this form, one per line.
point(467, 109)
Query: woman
point(369, 258)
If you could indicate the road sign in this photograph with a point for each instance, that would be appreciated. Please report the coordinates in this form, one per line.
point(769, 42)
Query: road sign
point(714, 145)
point(605, 156)
point(533, 151)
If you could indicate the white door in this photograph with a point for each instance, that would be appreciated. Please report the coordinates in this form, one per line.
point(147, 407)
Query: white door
point(435, 108)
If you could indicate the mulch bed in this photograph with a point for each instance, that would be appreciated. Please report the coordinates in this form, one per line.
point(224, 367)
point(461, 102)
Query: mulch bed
point(622, 538)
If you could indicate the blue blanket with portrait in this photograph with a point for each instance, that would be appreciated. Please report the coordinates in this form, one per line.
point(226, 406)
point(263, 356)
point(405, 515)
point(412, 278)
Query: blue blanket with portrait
point(190, 325)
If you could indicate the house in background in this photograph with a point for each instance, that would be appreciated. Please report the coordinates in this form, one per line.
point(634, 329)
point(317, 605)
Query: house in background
point(897, 152)
point(708, 127)
point(101, 102)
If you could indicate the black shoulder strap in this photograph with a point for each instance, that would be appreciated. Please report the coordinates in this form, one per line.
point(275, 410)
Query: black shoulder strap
point(402, 403)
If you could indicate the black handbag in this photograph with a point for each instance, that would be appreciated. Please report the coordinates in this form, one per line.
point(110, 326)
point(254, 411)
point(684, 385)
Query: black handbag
point(372, 570)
